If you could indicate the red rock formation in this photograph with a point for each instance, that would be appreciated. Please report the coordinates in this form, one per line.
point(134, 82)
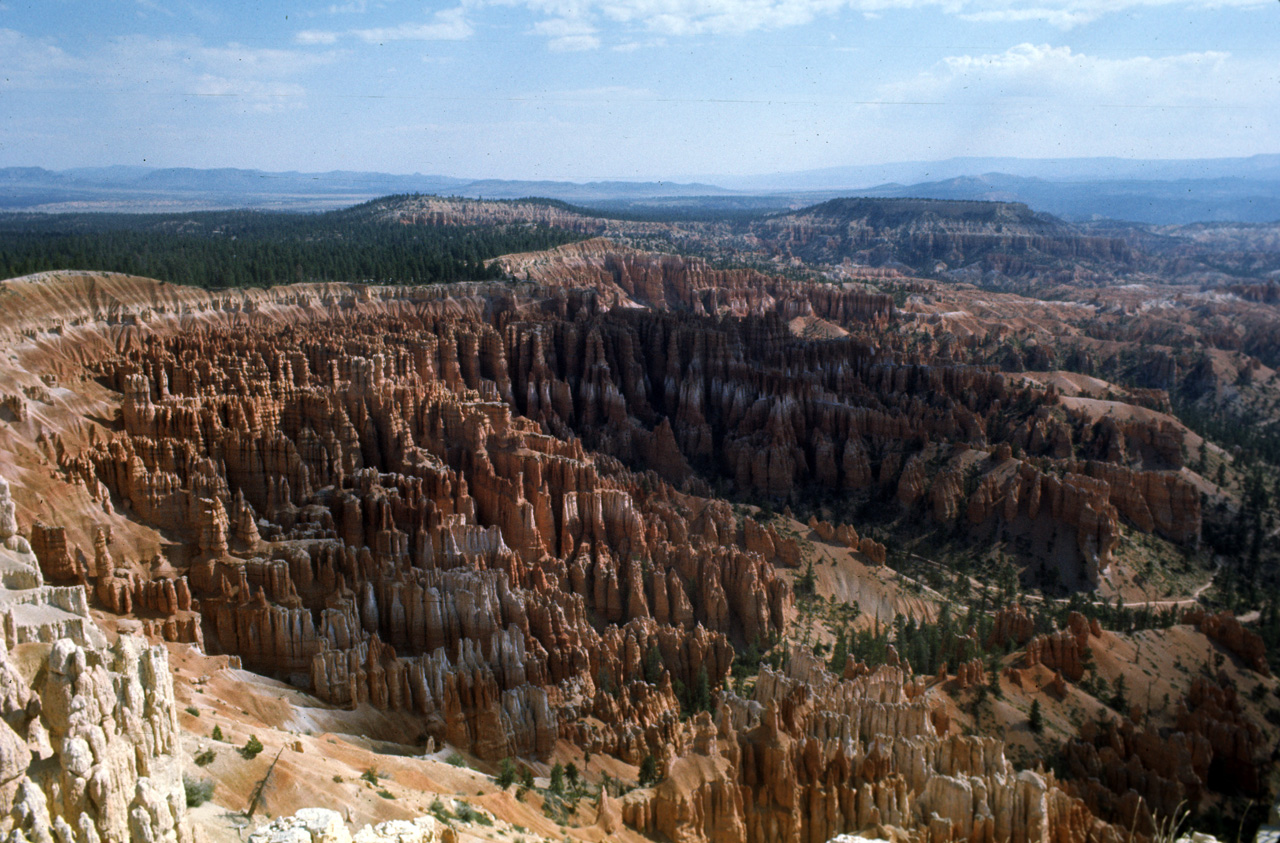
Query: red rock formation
point(813, 756)
point(57, 561)
point(1114, 763)
point(1226, 629)
point(970, 673)
point(1011, 624)
point(488, 510)
point(456, 562)
point(873, 550)
point(1061, 651)
point(1111, 765)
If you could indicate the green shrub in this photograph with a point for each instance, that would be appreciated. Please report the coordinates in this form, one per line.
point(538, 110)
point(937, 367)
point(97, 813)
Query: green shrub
point(193, 711)
point(199, 791)
point(456, 760)
point(217, 733)
point(251, 748)
point(204, 759)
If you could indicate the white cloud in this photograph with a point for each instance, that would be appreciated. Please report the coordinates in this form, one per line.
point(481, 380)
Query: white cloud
point(588, 24)
point(446, 25)
point(263, 78)
point(264, 60)
point(259, 96)
point(725, 17)
point(1037, 99)
point(1066, 14)
point(27, 62)
point(633, 46)
point(568, 34)
point(1065, 77)
point(1061, 18)
point(310, 37)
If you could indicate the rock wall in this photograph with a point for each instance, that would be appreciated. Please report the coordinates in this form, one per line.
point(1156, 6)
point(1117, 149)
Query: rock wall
point(1124, 771)
point(90, 751)
point(810, 756)
point(408, 542)
point(321, 825)
point(489, 507)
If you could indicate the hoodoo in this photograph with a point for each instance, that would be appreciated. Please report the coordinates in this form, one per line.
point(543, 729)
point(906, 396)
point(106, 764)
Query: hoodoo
point(632, 544)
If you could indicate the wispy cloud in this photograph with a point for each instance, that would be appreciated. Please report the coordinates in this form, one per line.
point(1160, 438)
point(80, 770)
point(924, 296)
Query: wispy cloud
point(1065, 77)
point(33, 62)
point(1061, 18)
point(1037, 98)
point(264, 78)
point(308, 37)
point(625, 19)
point(594, 96)
point(445, 25)
point(568, 34)
point(629, 24)
point(259, 96)
point(154, 6)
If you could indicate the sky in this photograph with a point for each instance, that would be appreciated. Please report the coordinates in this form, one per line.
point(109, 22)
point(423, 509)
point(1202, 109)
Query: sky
point(630, 89)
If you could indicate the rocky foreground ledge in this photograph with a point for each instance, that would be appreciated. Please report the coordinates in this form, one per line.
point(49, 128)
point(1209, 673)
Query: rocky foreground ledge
point(89, 738)
point(320, 825)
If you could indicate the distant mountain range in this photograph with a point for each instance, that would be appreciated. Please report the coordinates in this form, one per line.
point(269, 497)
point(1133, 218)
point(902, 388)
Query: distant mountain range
point(1176, 201)
point(1263, 167)
point(1147, 191)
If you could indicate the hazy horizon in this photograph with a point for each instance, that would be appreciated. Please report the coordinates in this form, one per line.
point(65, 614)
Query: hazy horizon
point(673, 90)
point(972, 164)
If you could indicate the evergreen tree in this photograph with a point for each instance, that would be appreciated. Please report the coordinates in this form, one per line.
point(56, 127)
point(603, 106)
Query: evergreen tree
point(556, 785)
point(653, 665)
point(1035, 719)
point(648, 771)
point(1119, 697)
point(506, 774)
point(839, 653)
point(702, 692)
point(806, 583)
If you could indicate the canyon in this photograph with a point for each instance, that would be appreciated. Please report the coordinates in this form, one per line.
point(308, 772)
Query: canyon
point(605, 514)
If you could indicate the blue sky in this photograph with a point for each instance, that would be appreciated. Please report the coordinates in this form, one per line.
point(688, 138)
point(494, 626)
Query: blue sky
point(630, 89)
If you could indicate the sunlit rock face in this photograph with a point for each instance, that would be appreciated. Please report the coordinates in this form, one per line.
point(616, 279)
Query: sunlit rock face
point(491, 507)
point(89, 746)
